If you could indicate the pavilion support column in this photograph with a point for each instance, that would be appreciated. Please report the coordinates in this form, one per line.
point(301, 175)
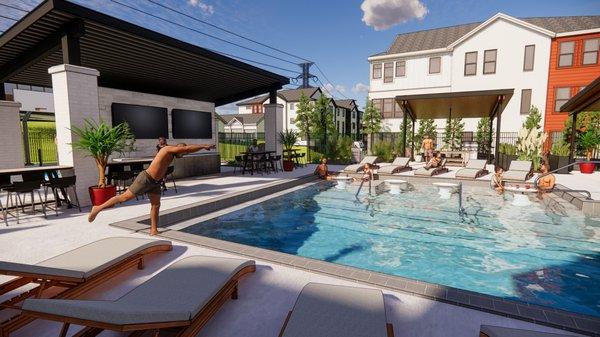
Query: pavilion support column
point(572, 145)
point(273, 125)
point(489, 152)
point(404, 126)
point(11, 155)
point(412, 143)
point(75, 91)
point(497, 150)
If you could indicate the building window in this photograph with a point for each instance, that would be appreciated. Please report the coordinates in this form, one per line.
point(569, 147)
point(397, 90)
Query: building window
point(377, 70)
point(292, 106)
point(435, 65)
point(565, 59)
point(378, 104)
point(23, 87)
point(489, 61)
point(471, 63)
point(525, 101)
point(388, 72)
point(353, 114)
point(353, 126)
point(590, 51)
point(561, 97)
point(528, 58)
point(388, 108)
point(400, 68)
point(292, 121)
point(248, 107)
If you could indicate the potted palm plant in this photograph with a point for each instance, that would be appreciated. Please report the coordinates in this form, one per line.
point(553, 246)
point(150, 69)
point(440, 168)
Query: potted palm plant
point(588, 141)
point(288, 139)
point(100, 140)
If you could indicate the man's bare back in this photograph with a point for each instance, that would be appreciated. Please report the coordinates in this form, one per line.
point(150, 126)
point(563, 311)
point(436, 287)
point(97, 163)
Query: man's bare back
point(164, 157)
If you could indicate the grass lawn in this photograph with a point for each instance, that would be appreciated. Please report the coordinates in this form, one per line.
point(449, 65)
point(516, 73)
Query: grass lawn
point(42, 137)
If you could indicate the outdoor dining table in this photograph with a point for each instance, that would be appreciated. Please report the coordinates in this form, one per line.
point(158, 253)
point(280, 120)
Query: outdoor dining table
point(248, 154)
point(119, 164)
point(49, 171)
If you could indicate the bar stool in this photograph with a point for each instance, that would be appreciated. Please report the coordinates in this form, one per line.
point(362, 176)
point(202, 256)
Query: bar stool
point(63, 184)
point(238, 163)
point(4, 182)
point(24, 188)
point(168, 174)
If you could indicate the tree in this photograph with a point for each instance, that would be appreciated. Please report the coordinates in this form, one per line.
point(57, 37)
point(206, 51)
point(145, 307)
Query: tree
point(453, 133)
point(371, 122)
point(323, 120)
point(585, 120)
point(483, 134)
point(304, 118)
point(531, 138)
point(409, 137)
point(426, 128)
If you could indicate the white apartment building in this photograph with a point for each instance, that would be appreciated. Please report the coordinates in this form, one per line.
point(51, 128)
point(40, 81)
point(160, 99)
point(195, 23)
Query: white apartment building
point(501, 53)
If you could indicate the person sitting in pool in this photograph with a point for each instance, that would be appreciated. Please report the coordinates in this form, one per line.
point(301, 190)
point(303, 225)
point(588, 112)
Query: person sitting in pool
point(434, 161)
point(496, 182)
point(367, 172)
point(546, 183)
point(322, 170)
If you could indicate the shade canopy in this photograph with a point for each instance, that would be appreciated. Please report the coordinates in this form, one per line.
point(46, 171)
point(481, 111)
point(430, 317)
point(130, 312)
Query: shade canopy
point(587, 99)
point(465, 104)
point(128, 56)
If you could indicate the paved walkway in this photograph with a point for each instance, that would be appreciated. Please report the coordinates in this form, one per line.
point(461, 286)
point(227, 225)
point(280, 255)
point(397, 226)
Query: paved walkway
point(265, 297)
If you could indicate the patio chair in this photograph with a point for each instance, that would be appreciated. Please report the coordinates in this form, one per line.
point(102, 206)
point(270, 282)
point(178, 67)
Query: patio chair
point(238, 163)
point(399, 164)
point(324, 310)
point(422, 171)
point(23, 188)
point(519, 170)
point(168, 176)
point(183, 296)
point(475, 168)
point(496, 331)
point(61, 184)
point(74, 272)
point(355, 168)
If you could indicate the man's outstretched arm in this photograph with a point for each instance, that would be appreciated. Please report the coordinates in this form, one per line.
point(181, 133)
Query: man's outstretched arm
point(191, 148)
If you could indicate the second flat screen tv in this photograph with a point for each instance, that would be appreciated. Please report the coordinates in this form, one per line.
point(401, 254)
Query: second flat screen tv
point(191, 124)
point(145, 122)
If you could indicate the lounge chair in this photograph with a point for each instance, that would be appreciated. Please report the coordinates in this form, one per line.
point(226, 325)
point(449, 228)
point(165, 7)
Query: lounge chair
point(73, 272)
point(185, 295)
point(496, 331)
point(422, 171)
point(475, 168)
point(355, 168)
point(398, 165)
point(519, 170)
point(324, 310)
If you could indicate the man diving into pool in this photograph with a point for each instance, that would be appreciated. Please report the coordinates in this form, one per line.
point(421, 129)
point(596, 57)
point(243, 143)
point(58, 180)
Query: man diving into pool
point(148, 181)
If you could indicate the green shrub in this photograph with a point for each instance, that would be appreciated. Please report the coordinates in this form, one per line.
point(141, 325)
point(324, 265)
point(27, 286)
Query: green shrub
point(384, 150)
point(506, 148)
point(560, 148)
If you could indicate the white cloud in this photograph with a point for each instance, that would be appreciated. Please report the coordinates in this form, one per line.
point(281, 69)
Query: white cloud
point(227, 109)
point(333, 89)
point(360, 88)
point(206, 9)
point(383, 14)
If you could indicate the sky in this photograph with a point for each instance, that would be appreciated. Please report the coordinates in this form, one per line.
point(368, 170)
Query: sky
point(338, 35)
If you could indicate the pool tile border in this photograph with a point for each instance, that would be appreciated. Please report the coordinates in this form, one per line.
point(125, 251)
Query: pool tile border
point(560, 319)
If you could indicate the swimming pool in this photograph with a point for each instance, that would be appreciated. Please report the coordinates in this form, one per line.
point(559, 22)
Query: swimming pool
point(547, 253)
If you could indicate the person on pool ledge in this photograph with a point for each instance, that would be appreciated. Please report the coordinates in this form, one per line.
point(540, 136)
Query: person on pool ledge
point(546, 183)
point(148, 181)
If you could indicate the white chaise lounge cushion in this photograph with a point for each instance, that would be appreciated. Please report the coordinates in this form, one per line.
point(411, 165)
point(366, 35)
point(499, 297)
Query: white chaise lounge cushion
point(85, 261)
point(177, 293)
point(324, 310)
point(358, 167)
point(496, 331)
point(519, 170)
point(474, 166)
point(398, 163)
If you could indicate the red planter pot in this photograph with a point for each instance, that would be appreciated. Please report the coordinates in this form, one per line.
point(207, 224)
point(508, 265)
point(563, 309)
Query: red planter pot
point(587, 167)
point(101, 195)
point(288, 165)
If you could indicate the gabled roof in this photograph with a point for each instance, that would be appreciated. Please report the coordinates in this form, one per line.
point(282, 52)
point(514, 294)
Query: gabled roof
point(443, 37)
point(245, 119)
point(345, 103)
point(293, 95)
point(255, 100)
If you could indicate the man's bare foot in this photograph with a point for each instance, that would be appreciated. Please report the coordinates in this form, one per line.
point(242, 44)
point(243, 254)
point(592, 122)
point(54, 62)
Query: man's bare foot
point(93, 213)
point(153, 232)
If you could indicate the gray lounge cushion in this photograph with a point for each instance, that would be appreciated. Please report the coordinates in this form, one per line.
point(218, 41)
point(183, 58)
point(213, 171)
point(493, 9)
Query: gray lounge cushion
point(496, 331)
point(324, 310)
point(476, 164)
point(515, 175)
point(398, 164)
point(520, 165)
point(177, 293)
point(467, 173)
point(85, 261)
point(358, 167)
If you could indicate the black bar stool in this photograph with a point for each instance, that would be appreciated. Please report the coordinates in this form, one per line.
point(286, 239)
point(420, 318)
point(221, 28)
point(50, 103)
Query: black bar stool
point(23, 188)
point(61, 184)
point(168, 174)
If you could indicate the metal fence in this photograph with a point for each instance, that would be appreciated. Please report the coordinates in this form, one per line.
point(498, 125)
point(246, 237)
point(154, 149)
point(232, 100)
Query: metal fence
point(239, 136)
point(42, 148)
point(467, 137)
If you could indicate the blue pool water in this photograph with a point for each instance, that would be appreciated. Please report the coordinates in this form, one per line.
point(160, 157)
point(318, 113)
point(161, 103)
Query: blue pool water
point(548, 253)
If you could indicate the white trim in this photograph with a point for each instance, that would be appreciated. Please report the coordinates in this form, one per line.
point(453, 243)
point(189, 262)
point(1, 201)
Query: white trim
point(579, 32)
point(505, 17)
point(412, 53)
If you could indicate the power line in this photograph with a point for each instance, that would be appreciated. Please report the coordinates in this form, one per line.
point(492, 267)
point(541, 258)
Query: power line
point(248, 60)
point(227, 31)
point(327, 79)
point(203, 33)
point(15, 7)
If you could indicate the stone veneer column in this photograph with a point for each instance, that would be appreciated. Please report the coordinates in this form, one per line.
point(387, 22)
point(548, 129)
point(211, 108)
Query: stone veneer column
point(11, 155)
point(273, 125)
point(75, 91)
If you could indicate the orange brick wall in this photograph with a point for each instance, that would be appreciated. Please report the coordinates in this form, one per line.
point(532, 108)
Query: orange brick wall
point(574, 77)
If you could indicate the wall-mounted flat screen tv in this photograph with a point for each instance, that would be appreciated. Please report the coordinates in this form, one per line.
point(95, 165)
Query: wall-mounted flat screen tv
point(145, 122)
point(191, 124)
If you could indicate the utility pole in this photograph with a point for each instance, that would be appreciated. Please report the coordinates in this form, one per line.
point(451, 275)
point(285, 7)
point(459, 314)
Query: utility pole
point(306, 75)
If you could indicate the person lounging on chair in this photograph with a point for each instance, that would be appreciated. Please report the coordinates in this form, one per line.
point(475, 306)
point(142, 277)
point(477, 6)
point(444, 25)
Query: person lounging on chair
point(437, 165)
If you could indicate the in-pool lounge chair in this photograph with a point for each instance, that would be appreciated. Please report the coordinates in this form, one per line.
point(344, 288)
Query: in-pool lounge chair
point(519, 170)
point(184, 296)
point(398, 165)
point(355, 168)
point(475, 168)
point(496, 331)
point(324, 310)
point(73, 273)
point(422, 171)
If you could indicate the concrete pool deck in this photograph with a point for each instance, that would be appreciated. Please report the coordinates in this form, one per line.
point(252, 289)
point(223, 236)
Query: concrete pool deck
point(265, 297)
